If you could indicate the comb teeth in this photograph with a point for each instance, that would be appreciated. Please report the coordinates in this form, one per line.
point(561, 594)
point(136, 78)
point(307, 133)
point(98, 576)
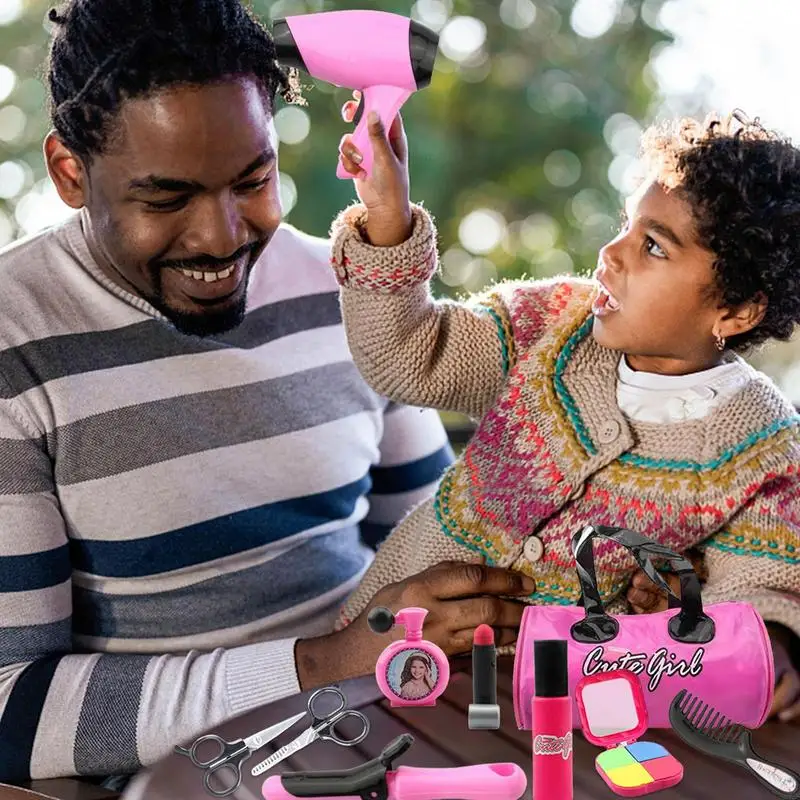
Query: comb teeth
point(704, 719)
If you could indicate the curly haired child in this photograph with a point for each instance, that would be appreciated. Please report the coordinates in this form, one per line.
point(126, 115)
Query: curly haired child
point(619, 400)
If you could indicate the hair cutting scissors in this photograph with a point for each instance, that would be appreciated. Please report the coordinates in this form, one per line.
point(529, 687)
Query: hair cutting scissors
point(232, 755)
point(322, 727)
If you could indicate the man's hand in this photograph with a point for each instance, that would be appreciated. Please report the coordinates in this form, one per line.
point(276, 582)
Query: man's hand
point(647, 598)
point(459, 597)
point(786, 701)
point(385, 193)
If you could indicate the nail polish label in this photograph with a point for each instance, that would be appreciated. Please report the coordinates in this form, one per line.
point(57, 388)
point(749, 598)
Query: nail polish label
point(545, 745)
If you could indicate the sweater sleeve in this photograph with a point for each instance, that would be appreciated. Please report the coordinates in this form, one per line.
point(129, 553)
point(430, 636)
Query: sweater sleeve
point(409, 347)
point(756, 558)
point(66, 713)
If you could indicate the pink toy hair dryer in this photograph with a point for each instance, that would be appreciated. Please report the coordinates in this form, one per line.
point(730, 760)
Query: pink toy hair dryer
point(375, 780)
point(385, 56)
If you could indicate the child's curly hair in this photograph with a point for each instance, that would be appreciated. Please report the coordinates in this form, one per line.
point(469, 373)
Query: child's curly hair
point(742, 182)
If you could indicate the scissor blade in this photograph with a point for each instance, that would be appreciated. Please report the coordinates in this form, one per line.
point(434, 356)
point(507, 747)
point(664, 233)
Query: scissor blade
point(303, 740)
point(268, 734)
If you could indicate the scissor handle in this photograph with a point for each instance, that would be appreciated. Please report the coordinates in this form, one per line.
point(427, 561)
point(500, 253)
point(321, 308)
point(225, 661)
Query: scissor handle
point(335, 719)
point(318, 718)
point(235, 768)
point(211, 762)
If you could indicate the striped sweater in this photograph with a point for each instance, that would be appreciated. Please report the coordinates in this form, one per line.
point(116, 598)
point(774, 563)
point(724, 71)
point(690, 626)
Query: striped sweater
point(175, 511)
point(553, 451)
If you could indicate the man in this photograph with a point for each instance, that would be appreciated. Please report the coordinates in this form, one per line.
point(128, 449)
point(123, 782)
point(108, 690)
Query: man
point(188, 457)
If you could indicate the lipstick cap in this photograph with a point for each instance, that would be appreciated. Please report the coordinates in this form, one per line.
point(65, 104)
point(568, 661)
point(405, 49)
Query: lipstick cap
point(550, 667)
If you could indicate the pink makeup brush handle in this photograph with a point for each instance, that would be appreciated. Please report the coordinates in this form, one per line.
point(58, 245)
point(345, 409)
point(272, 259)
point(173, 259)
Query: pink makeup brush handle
point(479, 782)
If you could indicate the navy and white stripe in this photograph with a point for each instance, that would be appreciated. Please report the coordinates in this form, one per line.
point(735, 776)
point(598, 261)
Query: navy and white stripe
point(175, 511)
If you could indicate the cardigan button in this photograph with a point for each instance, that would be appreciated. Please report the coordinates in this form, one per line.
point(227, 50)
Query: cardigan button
point(609, 431)
point(533, 549)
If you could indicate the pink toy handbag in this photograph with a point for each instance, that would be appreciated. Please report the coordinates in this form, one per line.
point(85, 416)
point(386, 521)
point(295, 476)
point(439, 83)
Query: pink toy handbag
point(720, 653)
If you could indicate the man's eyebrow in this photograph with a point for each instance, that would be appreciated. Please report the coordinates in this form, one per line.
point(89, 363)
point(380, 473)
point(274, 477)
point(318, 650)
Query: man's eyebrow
point(157, 183)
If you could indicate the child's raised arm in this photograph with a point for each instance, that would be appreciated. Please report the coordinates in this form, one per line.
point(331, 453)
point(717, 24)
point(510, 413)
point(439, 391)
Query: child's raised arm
point(407, 346)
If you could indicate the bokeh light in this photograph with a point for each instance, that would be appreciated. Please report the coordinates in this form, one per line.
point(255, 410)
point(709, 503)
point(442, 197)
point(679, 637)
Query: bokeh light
point(13, 177)
point(10, 11)
point(593, 18)
point(562, 168)
point(288, 193)
point(40, 208)
point(432, 13)
point(462, 37)
point(482, 230)
point(292, 124)
point(518, 14)
point(8, 81)
point(12, 123)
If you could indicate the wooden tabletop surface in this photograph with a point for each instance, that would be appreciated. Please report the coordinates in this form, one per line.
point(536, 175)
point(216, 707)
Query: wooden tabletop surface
point(442, 739)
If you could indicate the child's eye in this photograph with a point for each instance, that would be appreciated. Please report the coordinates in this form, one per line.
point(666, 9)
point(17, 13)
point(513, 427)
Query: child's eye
point(653, 248)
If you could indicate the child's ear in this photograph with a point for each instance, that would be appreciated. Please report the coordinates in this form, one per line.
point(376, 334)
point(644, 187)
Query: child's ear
point(744, 317)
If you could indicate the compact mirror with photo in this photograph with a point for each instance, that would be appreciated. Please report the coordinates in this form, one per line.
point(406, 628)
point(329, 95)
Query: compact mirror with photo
point(613, 715)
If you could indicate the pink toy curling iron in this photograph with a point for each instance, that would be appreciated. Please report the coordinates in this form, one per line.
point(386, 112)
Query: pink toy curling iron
point(376, 781)
point(387, 57)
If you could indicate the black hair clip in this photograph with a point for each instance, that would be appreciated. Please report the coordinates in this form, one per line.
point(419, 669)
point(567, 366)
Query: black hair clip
point(367, 781)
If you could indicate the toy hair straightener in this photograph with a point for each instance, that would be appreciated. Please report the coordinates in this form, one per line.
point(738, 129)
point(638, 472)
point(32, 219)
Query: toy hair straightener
point(705, 729)
point(375, 780)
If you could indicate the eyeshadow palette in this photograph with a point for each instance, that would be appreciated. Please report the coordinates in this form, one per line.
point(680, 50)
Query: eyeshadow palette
point(639, 768)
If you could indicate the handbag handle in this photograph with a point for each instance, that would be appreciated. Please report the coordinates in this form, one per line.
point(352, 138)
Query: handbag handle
point(690, 626)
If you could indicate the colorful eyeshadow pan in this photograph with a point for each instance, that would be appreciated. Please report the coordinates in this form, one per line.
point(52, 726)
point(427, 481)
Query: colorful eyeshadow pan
point(638, 768)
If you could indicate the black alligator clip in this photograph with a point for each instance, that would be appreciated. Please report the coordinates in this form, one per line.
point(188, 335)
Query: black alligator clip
point(367, 781)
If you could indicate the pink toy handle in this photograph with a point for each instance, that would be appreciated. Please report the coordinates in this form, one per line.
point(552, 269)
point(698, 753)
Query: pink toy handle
point(504, 781)
point(387, 101)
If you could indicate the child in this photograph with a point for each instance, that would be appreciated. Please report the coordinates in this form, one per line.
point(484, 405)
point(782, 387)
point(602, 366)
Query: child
point(618, 400)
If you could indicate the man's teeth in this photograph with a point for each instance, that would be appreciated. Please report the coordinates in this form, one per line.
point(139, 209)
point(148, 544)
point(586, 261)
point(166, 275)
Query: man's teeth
point(208, 277)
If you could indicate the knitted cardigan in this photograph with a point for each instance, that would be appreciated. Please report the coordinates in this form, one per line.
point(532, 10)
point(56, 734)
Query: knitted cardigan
point(552, 450)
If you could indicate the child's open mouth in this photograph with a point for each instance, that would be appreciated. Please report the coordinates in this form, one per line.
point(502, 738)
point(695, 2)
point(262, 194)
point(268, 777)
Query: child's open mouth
point(605, 303)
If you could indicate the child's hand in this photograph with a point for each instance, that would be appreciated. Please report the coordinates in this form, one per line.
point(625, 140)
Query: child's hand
point(385, 193)
point(647, 598)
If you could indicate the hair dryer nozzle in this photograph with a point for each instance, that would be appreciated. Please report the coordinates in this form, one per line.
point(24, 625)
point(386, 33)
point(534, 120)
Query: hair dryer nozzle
point(287, 52)
point(423, 44)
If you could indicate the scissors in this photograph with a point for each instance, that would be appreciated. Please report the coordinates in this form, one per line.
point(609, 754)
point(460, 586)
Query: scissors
point(233, 754)
point(322, 727)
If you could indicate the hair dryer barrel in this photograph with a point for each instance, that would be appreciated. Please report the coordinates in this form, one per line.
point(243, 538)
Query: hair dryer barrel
point(357, 49)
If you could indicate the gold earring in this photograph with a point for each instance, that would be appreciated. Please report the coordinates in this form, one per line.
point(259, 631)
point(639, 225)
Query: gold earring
point(719, 341)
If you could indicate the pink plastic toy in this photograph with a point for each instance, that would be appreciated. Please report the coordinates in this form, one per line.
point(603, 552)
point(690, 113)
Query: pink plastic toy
point(385, 56)
point(614, 715)
point(480, 782)
point(411, 671)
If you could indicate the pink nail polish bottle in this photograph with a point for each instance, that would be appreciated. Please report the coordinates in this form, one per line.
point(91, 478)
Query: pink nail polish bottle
point(552, 722)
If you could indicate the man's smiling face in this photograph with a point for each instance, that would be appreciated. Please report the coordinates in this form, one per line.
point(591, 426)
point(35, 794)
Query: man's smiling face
point(186, 199)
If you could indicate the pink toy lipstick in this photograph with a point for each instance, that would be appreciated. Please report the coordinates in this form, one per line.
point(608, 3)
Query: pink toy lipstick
point(484, 713)
point(552, 722)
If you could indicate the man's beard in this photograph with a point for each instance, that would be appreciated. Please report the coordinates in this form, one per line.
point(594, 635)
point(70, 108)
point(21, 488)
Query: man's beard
point(211, 322)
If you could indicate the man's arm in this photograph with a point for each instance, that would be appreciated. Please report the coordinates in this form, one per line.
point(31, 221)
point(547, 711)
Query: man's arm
point(414, 452)
point(63, 713)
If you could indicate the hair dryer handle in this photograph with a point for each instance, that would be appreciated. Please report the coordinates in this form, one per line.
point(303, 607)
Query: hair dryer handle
point(387, 101)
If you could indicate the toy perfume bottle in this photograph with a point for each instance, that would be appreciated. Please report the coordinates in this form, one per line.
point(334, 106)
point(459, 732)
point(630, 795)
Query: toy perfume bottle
point(412, 671)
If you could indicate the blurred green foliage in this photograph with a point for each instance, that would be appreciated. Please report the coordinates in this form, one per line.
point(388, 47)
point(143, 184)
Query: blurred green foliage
point(518, 127)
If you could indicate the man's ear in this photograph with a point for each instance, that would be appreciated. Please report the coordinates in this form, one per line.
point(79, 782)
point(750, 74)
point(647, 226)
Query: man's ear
point(743, 317)
point(66, 171)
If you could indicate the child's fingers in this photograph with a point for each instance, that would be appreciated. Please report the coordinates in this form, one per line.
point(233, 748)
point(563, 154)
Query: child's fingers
point(349, 110)
point(641, 581)
point(350, 157)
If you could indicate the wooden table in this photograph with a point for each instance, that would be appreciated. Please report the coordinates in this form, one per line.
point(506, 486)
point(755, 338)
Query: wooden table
point(442, 739)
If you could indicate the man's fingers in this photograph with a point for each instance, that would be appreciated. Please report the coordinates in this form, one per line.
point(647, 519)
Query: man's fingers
point(493, 611)
point(786, 702)
point(452, 580)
